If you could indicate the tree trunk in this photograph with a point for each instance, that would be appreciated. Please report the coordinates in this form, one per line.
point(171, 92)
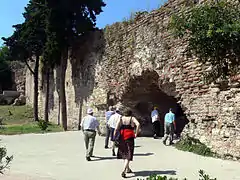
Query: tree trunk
point(80, 114)
point(59, 111)
point(47, 96)
point(63, 93)
point(35, 100)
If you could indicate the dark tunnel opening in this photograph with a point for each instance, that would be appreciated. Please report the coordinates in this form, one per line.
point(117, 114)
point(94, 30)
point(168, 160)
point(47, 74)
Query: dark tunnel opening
point(142, 94)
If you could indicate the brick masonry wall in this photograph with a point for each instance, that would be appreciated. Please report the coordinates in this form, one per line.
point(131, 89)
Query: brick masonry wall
point(105, 65)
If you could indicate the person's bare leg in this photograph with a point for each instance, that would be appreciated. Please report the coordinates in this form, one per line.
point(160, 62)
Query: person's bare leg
point(125, 168)
point(113, 149)
point(128, 169)
point(126, 165)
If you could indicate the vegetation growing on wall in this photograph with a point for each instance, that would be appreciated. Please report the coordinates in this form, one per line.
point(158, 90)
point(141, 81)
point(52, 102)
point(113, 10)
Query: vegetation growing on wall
point(213, 32)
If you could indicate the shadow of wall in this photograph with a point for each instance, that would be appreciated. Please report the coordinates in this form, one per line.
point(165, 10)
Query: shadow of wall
point(83, 60)
point(52, 87)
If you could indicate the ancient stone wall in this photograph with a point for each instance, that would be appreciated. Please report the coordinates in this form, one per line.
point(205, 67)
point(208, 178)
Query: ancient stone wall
point(18, 76)
point(138, 64)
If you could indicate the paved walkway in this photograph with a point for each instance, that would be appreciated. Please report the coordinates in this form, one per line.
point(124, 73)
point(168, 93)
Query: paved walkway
point(61, 156)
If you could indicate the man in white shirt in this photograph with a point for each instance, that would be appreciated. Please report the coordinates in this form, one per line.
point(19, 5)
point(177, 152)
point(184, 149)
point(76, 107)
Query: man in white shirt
point(89, 125)
point(112, 122)
point(156, 122)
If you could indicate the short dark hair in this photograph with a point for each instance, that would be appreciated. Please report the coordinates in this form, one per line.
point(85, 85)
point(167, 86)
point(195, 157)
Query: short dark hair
point(127, 112)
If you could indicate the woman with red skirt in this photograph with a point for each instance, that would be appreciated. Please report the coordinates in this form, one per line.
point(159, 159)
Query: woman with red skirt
point(126, 126)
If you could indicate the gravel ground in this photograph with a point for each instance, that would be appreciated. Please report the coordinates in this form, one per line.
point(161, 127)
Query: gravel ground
point(61, 156)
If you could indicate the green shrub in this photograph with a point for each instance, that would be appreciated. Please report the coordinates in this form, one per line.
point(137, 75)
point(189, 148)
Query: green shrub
point(212, 30)
point(194, 145)
point(43, 125)
point(202, 176)
point(4, 159)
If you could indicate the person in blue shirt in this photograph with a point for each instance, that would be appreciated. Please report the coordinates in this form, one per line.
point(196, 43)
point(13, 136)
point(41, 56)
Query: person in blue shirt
point(170, 125)
point(108, 114)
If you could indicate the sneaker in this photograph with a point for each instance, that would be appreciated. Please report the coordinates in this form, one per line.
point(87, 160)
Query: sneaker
point(164, 142)
point(113, 153)
point(106, 147)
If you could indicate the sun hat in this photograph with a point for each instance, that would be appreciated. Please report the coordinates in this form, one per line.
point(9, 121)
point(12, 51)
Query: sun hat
point(89, 111)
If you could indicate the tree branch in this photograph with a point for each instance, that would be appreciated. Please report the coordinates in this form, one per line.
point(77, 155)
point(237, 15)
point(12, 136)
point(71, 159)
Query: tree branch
point(30, 69)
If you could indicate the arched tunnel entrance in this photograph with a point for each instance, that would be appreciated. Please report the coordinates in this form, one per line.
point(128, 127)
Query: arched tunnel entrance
point(143, 93)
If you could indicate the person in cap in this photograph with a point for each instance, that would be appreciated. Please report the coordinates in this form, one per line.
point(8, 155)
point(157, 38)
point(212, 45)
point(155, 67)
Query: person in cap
point(170, 126)
point(112, 122)
point(89, 126)
point(108, 114)
point(155, 122)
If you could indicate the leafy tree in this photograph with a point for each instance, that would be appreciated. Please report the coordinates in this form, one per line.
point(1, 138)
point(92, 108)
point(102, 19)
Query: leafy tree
point(28, 40)
point(5, 71)
point(67, 21)
point(213, 32)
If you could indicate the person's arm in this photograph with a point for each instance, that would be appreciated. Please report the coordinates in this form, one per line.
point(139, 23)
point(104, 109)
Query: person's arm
point(82, 123)
point(174, 122)
point(117, 126)
point(98, 128)
point(110, 121)
point(99, 132)
point(137, 124)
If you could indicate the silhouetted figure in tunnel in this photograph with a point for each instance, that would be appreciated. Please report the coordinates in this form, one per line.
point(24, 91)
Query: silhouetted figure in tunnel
point(156, 122)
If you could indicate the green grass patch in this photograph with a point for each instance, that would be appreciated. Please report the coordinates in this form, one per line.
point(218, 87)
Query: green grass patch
point(19, 120)
point(28, 128)
point(16, 114)
point(191, 144)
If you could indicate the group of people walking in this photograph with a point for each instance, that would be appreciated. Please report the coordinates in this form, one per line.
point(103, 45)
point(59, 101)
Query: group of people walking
point(169, 125)
point(122, 128)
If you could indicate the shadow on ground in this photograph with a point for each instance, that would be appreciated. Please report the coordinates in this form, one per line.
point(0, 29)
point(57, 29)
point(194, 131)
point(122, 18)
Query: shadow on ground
point(137, 146)
point(143, 154)
point(148, 173)
point(98, 158)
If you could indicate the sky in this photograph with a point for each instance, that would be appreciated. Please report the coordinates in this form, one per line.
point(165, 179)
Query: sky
point(114, 11)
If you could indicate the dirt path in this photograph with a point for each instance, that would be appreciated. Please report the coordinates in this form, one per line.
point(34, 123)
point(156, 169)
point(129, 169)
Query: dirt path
point(61, 156)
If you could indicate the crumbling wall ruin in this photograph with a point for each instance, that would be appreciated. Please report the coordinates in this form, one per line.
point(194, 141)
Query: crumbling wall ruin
point(138, 64)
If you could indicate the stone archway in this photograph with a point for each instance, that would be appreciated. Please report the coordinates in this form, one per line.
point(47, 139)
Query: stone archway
point(143, 92)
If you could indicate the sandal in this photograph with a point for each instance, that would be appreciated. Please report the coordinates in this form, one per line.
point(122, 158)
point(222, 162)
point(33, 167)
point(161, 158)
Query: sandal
point(123, 174)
